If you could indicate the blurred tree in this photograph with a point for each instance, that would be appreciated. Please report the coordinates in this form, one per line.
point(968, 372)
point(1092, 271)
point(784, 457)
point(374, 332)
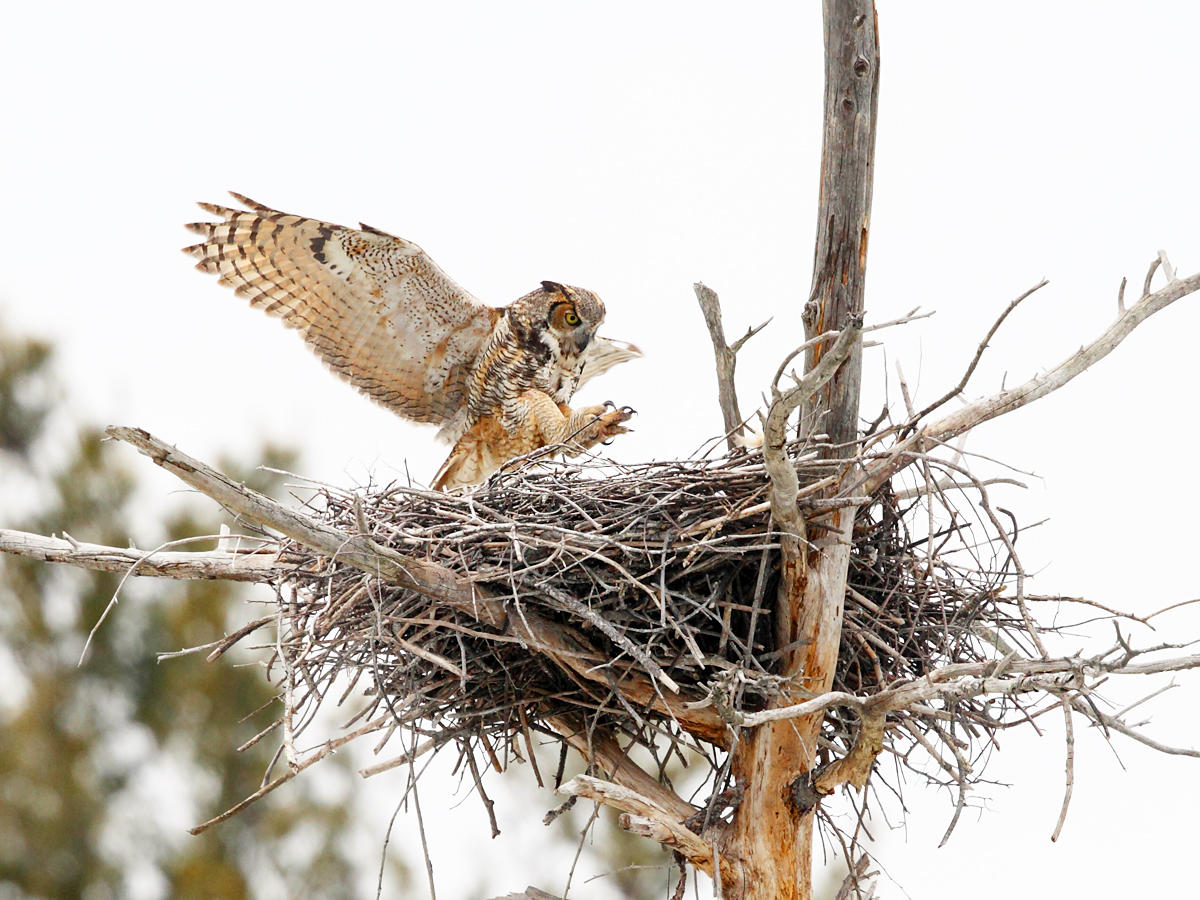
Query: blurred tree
point(102, 767)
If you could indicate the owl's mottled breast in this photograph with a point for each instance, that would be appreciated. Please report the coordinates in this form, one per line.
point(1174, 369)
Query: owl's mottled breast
point(506, 367)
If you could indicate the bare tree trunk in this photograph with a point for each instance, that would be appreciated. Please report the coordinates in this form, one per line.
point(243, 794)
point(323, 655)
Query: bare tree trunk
point(773, 827)
point(844, 211)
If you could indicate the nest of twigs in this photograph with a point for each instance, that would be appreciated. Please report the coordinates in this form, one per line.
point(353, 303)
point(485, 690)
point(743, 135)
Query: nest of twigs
point(668, 568)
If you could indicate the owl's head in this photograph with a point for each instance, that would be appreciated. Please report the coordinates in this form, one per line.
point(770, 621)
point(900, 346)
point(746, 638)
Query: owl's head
point(560, 317)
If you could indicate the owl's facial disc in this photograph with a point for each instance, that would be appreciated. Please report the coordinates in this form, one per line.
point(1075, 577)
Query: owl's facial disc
point(569, 326)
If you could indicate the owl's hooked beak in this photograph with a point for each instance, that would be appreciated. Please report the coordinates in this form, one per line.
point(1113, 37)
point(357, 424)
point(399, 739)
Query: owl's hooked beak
point(580, 338)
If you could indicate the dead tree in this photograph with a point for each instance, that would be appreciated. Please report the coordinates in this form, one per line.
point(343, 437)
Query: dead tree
point(781, 615)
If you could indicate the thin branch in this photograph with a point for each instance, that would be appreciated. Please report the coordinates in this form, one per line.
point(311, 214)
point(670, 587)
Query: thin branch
point(403, 759)
point(1069, 725)
point(1008, 400)
point(257, 565)
point(859, 883)
point(488, 802)
point(1168, 269)
point(962, 680)
point(1116, 725)
point(316, 756)
point(1150, 275)
point(983, 345)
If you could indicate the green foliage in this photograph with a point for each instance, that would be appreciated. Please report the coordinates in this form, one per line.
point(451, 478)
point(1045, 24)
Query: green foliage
point(22, 411)
point(104, 765)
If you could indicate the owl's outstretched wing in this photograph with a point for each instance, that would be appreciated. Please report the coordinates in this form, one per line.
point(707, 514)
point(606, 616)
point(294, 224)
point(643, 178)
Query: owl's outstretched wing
point(374, 307)
point(602, 355)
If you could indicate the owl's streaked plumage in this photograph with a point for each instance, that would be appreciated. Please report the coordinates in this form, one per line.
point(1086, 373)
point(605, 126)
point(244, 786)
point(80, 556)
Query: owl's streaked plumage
point(384, 317)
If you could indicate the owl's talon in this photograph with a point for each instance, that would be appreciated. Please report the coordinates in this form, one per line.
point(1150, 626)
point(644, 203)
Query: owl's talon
point(629, 410)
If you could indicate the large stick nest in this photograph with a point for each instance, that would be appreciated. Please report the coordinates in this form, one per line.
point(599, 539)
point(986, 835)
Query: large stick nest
point(678, 560)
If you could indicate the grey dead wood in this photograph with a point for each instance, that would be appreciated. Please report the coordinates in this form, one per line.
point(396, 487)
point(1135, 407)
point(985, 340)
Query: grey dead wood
point(725, 357)
point(947, 428)
point(251, 565)
point(771, 838)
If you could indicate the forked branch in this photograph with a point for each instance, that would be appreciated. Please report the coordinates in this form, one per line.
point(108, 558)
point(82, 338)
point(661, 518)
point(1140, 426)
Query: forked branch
point(645, 818)
point(1069, 678)
point(726, 360)
point(784, 483)
point(906, 451)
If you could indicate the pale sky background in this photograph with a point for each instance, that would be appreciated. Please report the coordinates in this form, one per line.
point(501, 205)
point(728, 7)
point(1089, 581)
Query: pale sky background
point(635, 148)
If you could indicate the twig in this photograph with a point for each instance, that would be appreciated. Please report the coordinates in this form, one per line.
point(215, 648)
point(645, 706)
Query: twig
point(1069, 781)
point(983, 345)
point(1008, 400)
point(488, 803)
point(316, 756)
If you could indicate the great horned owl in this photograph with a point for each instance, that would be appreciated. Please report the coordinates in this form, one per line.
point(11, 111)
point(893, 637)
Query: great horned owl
point(383, 316)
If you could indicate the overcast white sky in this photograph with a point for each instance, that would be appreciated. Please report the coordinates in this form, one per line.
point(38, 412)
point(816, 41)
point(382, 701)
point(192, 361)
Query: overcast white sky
point(635, 148)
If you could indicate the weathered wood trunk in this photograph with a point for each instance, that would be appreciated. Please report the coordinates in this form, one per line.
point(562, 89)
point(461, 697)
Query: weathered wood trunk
point(773, 827)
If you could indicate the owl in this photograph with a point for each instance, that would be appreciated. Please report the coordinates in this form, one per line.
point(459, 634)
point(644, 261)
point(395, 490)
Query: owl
point(383, 316)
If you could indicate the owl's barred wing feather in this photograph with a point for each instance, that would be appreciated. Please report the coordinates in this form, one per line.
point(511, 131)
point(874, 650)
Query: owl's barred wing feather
point(602, 355)
point(374, 307)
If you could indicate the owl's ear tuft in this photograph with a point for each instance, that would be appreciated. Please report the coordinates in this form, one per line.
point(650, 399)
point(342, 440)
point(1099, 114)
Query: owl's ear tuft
point(554, 286)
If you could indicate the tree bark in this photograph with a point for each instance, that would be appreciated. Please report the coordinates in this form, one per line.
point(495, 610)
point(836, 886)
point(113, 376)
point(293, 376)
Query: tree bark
point(772, 831)
point(844, 210)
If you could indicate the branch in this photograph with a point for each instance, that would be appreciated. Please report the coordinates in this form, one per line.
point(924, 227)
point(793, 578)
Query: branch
point(780, 469)
point(644, 818)
point(855, 767)
point(1067, 678)
point(261, 564)
point(963, 680)
point(983, 345)
point(859, 884)
point(726, 358)
point(562, 644)
point(600, 748)
point(356, 550)
point(1005, 401)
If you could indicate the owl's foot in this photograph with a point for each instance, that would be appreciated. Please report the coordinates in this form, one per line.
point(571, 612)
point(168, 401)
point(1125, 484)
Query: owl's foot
point(612, 421)
point(597, 425)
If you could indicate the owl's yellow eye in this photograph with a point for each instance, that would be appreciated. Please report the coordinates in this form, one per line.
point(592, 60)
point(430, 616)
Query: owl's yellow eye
point(571, 318)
